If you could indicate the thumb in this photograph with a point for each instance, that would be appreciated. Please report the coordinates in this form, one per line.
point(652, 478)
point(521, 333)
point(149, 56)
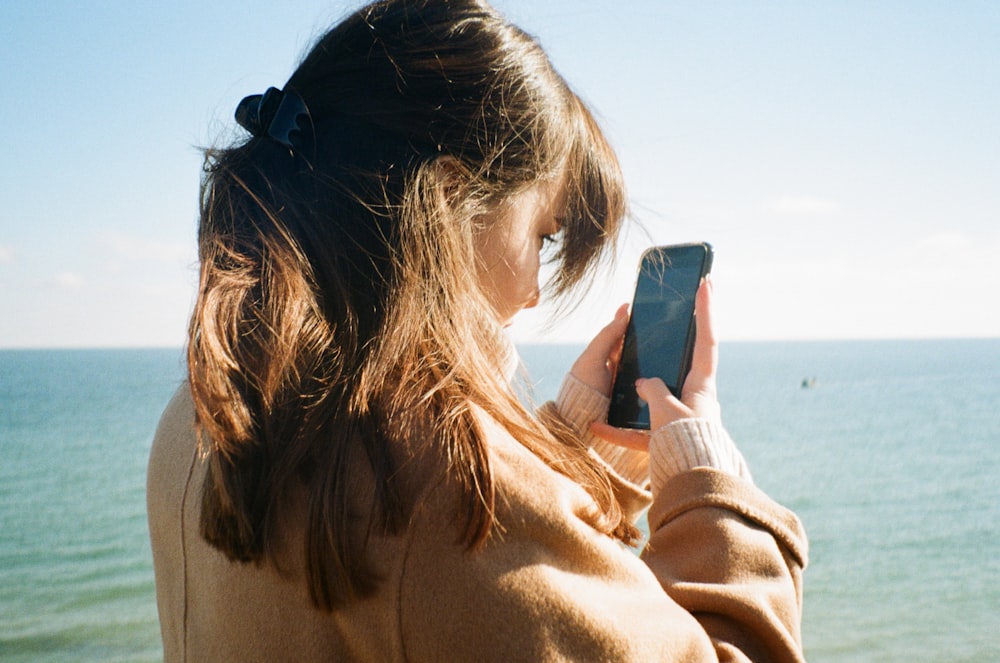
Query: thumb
point(664, 407)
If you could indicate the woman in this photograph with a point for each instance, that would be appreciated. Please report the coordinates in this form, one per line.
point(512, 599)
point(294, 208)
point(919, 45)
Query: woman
point(348, 474)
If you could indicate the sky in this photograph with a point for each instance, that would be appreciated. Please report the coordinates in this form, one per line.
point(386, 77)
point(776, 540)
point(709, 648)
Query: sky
point(843, 158)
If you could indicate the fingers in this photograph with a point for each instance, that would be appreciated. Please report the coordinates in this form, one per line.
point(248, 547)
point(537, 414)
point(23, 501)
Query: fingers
point(700, 394)
point(664, 407)
point(705, 361)
point(630, 439)
point(596, 364)
point(608, 340)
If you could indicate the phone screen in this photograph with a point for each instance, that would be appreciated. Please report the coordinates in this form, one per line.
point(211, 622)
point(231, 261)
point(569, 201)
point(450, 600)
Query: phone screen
point(660, 335)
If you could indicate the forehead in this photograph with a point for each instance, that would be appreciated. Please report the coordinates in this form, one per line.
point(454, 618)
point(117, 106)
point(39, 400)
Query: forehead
point(541, 202)
point(546, 196)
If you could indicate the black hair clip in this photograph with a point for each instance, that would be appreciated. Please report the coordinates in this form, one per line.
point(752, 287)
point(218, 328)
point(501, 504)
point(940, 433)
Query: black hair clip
point(281, 115)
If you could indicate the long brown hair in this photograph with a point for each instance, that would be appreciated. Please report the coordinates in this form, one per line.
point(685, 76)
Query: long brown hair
point(339, 316)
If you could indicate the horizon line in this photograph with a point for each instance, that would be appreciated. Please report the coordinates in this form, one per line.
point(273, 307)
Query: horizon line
point(570, 342)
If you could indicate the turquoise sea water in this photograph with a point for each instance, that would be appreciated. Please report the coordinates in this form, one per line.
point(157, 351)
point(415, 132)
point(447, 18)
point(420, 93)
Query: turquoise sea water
point(891, 459)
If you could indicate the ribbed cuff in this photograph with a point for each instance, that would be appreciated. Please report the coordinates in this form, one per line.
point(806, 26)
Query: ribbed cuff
point(689, 443)
point(580, 404)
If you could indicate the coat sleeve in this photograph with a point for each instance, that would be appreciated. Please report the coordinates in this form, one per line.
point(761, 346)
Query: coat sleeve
point(719, 580)
point(734, 558)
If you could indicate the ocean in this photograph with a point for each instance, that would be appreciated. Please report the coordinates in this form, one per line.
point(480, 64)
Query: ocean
point(889, 451)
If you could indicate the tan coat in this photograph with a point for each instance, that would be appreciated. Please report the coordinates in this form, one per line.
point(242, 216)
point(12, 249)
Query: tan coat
point(720, 578)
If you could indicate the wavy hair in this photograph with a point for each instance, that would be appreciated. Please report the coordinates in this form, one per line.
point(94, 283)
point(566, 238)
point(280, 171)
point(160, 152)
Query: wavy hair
point(339, 319)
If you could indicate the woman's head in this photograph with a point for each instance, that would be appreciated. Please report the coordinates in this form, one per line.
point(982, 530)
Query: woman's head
point(362, 272)
point(447, 96)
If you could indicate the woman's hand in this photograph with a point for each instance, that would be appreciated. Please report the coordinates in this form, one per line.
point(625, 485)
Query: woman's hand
point(699, 397)
point(596, 366)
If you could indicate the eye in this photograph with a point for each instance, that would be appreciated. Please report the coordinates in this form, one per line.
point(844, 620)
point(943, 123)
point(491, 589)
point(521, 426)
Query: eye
point(548, 247)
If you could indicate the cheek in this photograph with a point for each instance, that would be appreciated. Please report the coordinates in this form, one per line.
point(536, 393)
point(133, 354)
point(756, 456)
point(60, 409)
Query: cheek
point(528, 263)
point(515, 281)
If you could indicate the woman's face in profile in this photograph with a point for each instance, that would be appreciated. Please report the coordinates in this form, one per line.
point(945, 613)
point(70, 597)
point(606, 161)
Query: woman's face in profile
point(509, 246)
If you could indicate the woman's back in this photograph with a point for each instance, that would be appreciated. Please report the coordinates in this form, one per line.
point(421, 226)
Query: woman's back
point(436, 601)
point(551, 587)
point(213, 609)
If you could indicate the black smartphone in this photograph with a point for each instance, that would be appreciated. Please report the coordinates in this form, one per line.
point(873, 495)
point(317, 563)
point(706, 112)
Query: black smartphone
point(660, 335)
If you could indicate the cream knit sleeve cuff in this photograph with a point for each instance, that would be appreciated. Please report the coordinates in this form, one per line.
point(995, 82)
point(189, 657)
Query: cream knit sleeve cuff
point(689, 443)
point(580, 405)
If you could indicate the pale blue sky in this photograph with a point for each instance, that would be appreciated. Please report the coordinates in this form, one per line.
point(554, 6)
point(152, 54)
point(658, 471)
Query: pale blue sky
point(844, 158)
